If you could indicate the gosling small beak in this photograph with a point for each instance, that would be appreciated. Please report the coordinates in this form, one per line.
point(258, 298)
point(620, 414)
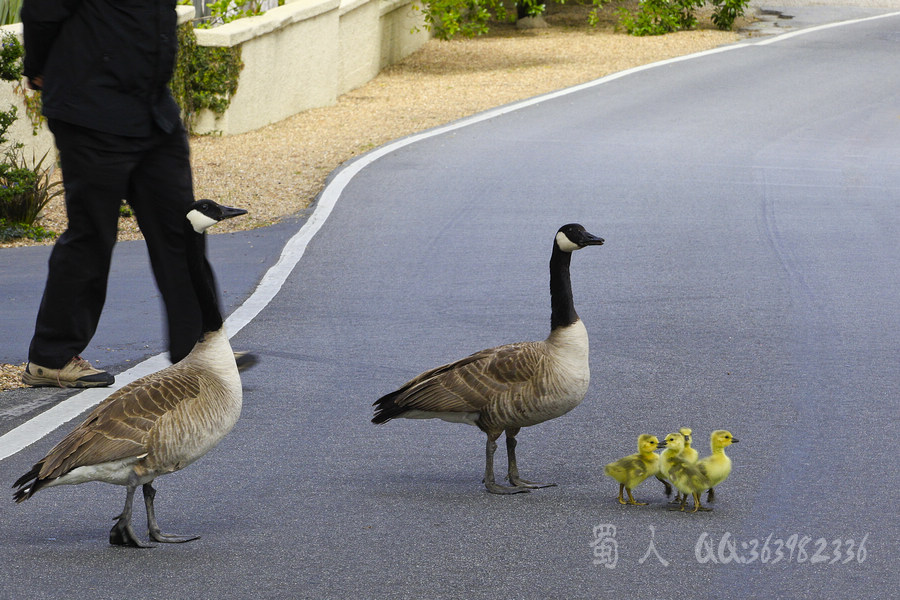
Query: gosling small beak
point(661, 445)
point(734, 440)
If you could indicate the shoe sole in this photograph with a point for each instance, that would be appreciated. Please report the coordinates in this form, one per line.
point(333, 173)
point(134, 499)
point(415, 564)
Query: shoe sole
point(34, 381)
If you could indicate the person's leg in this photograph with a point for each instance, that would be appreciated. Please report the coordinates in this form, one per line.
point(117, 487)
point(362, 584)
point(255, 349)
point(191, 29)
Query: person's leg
point(161, 192)
point(95, 171)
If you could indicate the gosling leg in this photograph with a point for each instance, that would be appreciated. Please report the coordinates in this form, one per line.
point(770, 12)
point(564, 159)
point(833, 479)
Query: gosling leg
point(666, 485)
point(681, 505)
point(155, 534)
point(622, 489)
point(631, 499)
point(489, 482)
point(697, 505)
point(711, 495)
point(122, 533)
point(514, 467)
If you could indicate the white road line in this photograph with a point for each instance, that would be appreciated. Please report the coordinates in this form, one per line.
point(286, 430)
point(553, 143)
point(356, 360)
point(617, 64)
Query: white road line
point(35, 429)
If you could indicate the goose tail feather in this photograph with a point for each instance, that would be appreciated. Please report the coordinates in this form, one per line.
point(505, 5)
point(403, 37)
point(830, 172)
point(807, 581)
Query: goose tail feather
point(28, 484)
point(386, 408)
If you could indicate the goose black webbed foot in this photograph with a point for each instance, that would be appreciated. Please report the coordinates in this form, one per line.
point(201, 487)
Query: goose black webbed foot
point(122, 534)
point(524, 483)
point(513, 465)
point(155, 534)
point(496, 488)
point(168, 538)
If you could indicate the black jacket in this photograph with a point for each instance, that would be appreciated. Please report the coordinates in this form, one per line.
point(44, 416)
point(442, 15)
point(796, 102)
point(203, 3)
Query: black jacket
point(105, 64)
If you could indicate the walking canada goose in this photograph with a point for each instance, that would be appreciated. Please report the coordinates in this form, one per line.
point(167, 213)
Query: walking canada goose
point(161, 422)
point(632, 470)
point(717, 464)
point(705, 473)
point(506, 388)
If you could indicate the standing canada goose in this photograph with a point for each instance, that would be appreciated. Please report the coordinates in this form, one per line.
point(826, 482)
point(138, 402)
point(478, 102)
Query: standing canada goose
point(632, 470)
point(512, 386)
point(161, 422)
point(717, 464)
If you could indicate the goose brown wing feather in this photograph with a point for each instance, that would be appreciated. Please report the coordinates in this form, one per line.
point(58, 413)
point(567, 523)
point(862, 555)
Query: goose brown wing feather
point(118, 428)
point(467, 385)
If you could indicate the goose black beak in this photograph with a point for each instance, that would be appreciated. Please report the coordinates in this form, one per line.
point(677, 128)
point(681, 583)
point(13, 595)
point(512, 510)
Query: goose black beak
point(229, 212)
point(734, 440)
point(661, 445)
point(590, 239)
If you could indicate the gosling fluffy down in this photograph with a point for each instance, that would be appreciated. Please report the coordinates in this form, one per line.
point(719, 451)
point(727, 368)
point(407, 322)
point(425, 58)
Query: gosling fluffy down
point(704, 474)
point(632, 470)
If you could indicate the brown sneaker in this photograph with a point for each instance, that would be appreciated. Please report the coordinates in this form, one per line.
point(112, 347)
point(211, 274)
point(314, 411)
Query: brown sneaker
point(78, 373)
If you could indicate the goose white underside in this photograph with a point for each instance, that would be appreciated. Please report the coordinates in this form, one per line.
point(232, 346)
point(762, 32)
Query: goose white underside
point(116, 472)
point(466, 418)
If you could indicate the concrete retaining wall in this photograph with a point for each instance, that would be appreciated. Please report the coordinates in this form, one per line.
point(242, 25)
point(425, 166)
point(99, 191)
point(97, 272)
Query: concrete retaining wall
point(307, 53)
point(13, 94)
point(298, 56)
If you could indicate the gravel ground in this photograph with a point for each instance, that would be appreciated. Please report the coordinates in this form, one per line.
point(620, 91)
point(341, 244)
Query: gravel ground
point(279, 169)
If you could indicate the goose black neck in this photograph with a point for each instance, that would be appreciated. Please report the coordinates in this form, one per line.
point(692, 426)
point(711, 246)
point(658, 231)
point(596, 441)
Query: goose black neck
point(562, 306)
point(203, 280)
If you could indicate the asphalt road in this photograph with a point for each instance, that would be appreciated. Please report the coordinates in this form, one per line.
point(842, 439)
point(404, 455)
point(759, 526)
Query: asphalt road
point(749, 281)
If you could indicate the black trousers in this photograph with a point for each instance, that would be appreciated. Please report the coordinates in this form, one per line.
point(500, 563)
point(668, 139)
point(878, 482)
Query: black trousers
point(99, 171)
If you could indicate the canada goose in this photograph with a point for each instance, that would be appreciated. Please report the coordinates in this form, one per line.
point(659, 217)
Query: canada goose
point(717, 464)
point(632, 470)
point(512, 386)
point(674, 444)
point(161, 422)
point(705, 473)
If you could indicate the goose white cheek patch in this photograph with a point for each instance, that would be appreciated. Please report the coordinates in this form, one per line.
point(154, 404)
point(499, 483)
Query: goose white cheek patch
point(565, 244)
point(199, 221)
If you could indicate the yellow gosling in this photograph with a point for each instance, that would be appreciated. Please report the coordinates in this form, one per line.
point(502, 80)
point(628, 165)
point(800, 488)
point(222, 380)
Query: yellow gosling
point(674, 444)
point(717, 464)
point(632, 470)
point(688, 479)
point(689, 454)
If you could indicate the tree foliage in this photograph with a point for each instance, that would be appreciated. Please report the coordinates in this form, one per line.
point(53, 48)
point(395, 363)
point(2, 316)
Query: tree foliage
point(447, 19)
